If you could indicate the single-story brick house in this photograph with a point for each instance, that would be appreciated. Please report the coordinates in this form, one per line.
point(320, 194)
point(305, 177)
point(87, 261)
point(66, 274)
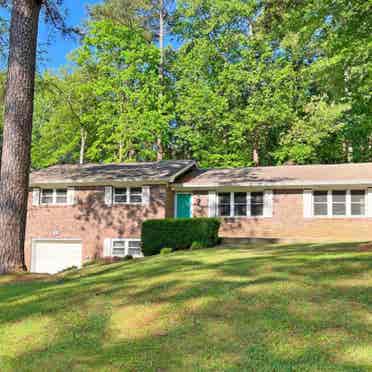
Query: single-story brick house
point(80, 212)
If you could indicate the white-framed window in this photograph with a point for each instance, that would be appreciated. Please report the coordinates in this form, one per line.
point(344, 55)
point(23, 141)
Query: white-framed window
point(124, 247)
point(358, 202)
point(257, 204)
point(127, 195)
point(240, 204)
point(339, 203)
point(320, 206)
point(224, 204)
point(53, 196)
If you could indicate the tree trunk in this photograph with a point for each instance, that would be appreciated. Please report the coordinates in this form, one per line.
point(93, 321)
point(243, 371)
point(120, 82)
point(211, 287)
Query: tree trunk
point(17, 133)
point(83, 139)
point(120, 152)
point(159, 145)
point(255, 154)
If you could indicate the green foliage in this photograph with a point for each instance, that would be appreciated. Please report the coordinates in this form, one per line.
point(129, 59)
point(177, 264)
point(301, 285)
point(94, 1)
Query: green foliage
point(128, 112)
point(252, 82)
point(197, 245)
point(178, 233)
point(165, 251)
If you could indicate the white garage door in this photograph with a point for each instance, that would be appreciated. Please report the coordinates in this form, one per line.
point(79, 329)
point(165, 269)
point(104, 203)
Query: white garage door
point(52, 256)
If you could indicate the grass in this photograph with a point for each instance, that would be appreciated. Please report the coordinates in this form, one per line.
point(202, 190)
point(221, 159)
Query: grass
point(264, 308)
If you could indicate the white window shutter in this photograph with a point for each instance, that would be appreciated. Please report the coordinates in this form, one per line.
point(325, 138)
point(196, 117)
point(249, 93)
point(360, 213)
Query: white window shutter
point(70, 196)
point(212, 204)
point(308, 203)
point(107, 244)
point(146, 195)
point(35, 196)
point(268, 203)
point(108, 195)
point(369, 202)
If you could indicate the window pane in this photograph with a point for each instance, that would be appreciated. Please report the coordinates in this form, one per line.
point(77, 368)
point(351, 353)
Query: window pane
point(61, 196)
point(339, 196)
point(240, 198)
point(357, 196)
point(224, 207)
point(358, 210)
point(357, 202)
point(339, 209)
point(136, 195)
point(257, 209)
point(339, 203)
point(320, 209)
point(120, 195)
point(257, 203)
point(240, 210)
point(118, 248)
point(320, 203)
point(240, 201)
point(320, 196)
point(257, 197)
point(134, 248)
point(47, 196)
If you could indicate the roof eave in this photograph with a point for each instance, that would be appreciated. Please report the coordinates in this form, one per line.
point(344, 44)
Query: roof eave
point(275, 185)
point(82, 183)
point(182, 171)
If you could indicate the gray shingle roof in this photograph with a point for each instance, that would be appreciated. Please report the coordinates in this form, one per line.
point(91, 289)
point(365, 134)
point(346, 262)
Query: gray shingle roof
point(162, 172)
point(289, 175)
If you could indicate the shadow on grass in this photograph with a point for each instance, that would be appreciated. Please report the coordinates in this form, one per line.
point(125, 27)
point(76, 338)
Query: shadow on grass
point(267, 308)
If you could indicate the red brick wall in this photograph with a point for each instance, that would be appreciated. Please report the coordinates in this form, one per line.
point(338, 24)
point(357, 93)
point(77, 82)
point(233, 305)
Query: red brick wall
point(91, 220)
point(288, 222)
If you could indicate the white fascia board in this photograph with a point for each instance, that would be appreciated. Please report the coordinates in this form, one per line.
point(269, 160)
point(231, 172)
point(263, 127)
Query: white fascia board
point(182, 171)
point(74, 183)
point(276, 185)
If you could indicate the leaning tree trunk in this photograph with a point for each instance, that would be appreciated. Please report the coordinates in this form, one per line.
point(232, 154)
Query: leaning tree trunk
point(17, 133)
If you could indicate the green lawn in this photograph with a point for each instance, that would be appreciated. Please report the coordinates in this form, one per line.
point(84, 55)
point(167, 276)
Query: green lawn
point(268, 308)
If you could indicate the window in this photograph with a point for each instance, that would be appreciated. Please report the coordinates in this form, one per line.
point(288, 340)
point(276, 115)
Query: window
point(46, 196)
point(120, 196)
point(240, 204)
point(339, 203)
point(320, 203)
point(224, 204)
point(257, 203)
point(358, 202)
point(134, 248)
point(118, 248)
point(53, 196)
point(124, 247)
point(136, 195)
point(128, 195)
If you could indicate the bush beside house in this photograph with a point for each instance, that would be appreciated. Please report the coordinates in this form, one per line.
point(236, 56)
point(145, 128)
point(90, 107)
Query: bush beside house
point(178, 233)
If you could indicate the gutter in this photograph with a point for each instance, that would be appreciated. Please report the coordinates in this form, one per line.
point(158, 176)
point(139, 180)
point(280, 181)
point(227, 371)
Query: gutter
point(273, 185)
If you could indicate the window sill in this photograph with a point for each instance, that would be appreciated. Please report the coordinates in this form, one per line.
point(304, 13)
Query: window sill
point(244, 217)
point(115, 203)
point(336, 217)
point(53, 205)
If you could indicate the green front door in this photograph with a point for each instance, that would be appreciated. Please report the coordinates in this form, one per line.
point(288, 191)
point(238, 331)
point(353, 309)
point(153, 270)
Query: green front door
point(183, 205)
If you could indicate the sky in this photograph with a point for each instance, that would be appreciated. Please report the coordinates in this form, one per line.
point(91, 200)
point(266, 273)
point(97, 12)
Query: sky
point(60, 47)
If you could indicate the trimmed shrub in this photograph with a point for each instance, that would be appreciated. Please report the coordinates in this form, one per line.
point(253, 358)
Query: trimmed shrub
point(178, 233)
point(197, 245)
point(165, 251)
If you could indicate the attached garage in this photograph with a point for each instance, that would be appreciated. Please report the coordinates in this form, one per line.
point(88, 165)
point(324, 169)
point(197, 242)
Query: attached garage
point(53, 256)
